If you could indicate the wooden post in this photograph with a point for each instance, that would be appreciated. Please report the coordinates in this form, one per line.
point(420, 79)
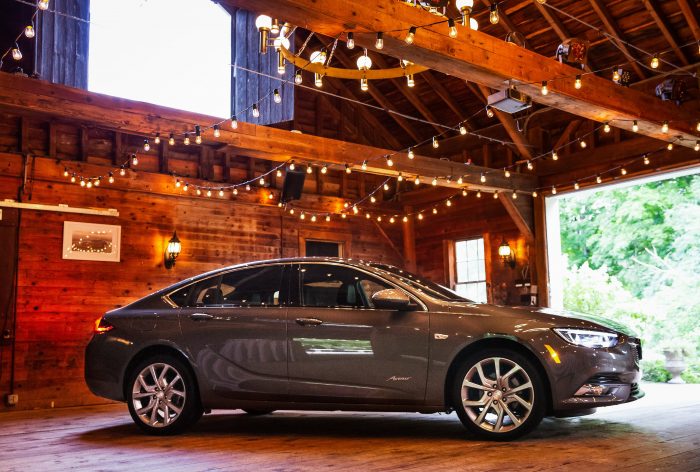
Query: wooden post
point(541, 270)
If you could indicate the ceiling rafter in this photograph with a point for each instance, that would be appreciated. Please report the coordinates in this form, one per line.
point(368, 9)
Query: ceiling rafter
point(690, 17)
point(655, 11)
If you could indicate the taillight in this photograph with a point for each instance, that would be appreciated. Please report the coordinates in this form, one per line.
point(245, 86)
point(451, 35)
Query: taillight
point(102, 326)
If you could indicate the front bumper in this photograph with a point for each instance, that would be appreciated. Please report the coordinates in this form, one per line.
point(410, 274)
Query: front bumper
point(588, 378)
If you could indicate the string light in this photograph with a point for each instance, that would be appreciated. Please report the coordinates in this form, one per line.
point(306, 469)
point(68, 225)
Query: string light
point(434, 182)
point(410, 81)
point(291, 165)
point(623, 171)
point(420, 216)
point(405, 219)
point(576, 186)
point(436, 144)
point(555, 156)
point(134, 160)
point(530, 166)
point(298, 79)
point(544, 90)
point(400, 177)
point(373, 199)
point(348, 170)
point(89, 184)
point(171, 139)
point(448, 202)
point(16, 53)
point(43, 5)
point(435, 211)
point(507, 173)
point(462, 129)
point(389, 161)
point(234, 122)
point(616, 75)
point(364, 165)
point(464, 192)
point(606, 128)
point(482, 178)
point(276, 96)
point(122, 171)
point(697, 127)
point(664, 127)
point(386, 187)
point(514, 196)
point(583, 144)
point(493, 15)
point(534, 194)
point(411, 36)
point(554, 190)
point(452, 28)
point(72, 178)
point(256, 111)
point(309, 170)
point(495, 195)
point(111, 179)
point(655, 62)
point(197, 134)
point(697, 146)
point(313, 218)
point(670, 146)
point(577, 82)
point(598, 179)
point(350, 43)
point(478, 194)
point(379, 43)
point(328, 217)
point(177, 183)
point(460, 180)
point(209, 193)
point(646, 159)
point(635, 126)
point(221, 192)
point(262, 181)
point(324, 169)
point(416, 181)
point(411, 154)
point(489, 111)
point(29, 31)
point(187, 139)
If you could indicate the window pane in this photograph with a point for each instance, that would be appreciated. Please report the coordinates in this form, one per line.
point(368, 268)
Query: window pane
point(461, 250)
point(175, 53)
point(473, 271)
point(471, 249)
point(252, 287)
point(334, 286)
point(462, 272)
point(480, 248)
point(207, 293)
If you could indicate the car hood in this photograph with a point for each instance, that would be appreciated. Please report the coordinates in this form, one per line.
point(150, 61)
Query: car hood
point(562, 318)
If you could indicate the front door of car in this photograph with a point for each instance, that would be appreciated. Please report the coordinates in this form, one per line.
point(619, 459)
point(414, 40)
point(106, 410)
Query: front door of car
point(235, 330)
point(342, 349)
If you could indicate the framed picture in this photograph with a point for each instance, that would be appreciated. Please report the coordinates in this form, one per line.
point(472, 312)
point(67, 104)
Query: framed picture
point(91, 242)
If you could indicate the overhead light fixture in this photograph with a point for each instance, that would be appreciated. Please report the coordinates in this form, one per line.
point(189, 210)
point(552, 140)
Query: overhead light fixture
point(264, 24)
point(465, 8)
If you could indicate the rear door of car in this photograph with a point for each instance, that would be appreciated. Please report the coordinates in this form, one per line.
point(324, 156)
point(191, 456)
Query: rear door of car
point(235, 330)
point(342, 349)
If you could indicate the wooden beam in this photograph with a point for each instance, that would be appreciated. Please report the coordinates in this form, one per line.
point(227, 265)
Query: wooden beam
point(658, 15)
point(541, 266)
point(565, 136)
point(23, 138)
point(118, 149)
point(481, 58)
point(263, 142)
point(442, 92)
point(84, 143)
point(612, 28)
point(388, 240)
point(520, 211)
point(690, 17)
point(163, 156)
point(52, 140)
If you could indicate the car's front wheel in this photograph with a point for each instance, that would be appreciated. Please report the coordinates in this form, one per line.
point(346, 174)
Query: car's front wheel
point(162, 396)
point(498, 394)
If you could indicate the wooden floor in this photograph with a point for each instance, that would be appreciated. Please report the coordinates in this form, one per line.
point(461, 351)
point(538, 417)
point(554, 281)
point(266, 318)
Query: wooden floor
point(660, 432)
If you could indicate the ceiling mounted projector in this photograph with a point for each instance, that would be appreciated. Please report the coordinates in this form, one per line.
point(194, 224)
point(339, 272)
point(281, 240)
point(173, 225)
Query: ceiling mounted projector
point(510, 101)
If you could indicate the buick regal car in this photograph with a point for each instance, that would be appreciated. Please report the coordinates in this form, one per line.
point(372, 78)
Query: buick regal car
point(334, 334)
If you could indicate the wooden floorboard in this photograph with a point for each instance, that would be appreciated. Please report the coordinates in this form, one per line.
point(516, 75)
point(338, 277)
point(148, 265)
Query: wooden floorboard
point(660, 432)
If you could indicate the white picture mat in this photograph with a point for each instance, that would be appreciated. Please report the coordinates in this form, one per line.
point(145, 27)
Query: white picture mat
point(99, 242)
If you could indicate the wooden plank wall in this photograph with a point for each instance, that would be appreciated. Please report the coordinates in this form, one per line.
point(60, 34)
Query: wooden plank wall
point(472, 217)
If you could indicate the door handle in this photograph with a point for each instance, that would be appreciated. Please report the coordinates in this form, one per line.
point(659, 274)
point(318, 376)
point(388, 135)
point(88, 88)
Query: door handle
point(309, 321)
point(201, 316)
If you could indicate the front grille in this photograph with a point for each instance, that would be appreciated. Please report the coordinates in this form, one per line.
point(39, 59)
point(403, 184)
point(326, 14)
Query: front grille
point(604, 378)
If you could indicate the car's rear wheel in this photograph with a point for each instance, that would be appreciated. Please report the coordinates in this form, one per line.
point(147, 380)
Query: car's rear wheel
point(162, 395)
point(498, 394)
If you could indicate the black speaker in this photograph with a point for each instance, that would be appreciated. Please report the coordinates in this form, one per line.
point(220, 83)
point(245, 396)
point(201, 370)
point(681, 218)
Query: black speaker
point(293, 185)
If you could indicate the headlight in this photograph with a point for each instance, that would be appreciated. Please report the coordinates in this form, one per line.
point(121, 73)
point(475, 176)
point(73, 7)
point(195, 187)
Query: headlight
point(587, 338)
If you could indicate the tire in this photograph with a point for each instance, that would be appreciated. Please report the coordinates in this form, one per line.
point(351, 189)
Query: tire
point(255, 412)
point(166, 404)
point(501, 404)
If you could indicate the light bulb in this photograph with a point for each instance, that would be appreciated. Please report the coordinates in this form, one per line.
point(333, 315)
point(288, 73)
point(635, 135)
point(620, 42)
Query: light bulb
point(177, 183)
point(462, 129)
point(111, 179)
point(606, 128)
point(616, 75)
point(309, 170)
point(489, 112)
point(623, 171)
point(82, 182)
point(364, 165)
point(217, 131)
point(324, 170)
point(234, 123)
point(664, 127)
point(313, 218)
point(256, 111)
point(420, 216)
point(122, 171)
point(436, 144)
point(235, 191)
point(89, 184)
point(507, 173)
point(411, 154)
point(478, 194)
point(379, 218)
point(554, 190)
point(544, 90)
point(221, 192)
point(405, 219)
point(400, 177)
point(697, 127)
point(514, 196)
point(364, 62)
point(318, 80)
point(386, 187)
point(410, 81)
point(495, 195)
point(351, 40)
point(555, 156)
point(389, 162)
point(247, 187)
point(583, 144)
point(298, 79)
point(348, 169)
point(411, 36)
point(598, 179)
point(379, 43)
point(435, 211)
point(171, 139)
point(276, 96)
point(187, 139)
point(302, 216)
point(448, 203)
point(577, 82)
point(417, 180)
point(482, 178)
point(262, 181)
point(198, 137)
point(373, 199)
point(16, 53)
point(264, 24)
point(697, 146)
point(43, 5)
point(199, 191)
point(29, 31)
point(493, 16)
point(186, 187)
point(464, 192)
point(534, 194)
point(434, 182)
point(576, 186)
point(655, 62)
point(530, 166)
point(72, 178)
point(473, 24)
point(134, 160)
point(291, 165)
point(635, 126)
point(364, 84)
point(670, 146)
point(646, 159)
point(328, 217)
point(452, 29)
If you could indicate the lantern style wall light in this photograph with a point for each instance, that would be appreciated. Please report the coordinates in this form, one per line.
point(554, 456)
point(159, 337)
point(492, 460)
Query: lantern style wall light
point(507, 255)
point(172, 251)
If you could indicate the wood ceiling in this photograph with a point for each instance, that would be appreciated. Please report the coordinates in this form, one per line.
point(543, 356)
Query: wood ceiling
point(647, 25)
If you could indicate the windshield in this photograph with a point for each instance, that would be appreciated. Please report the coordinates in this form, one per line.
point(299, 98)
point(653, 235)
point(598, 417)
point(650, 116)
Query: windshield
point(422, 285)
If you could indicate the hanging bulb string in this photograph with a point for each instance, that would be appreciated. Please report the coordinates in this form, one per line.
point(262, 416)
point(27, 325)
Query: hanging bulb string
point(19, 36)
point(250, 181)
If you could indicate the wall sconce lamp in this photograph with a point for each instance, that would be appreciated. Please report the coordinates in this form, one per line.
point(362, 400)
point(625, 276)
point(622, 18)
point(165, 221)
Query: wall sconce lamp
point(172, 251)
point(506, 254)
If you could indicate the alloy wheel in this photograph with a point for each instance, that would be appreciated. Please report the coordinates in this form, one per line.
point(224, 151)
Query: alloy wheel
point(158, 395)
point(497, 394)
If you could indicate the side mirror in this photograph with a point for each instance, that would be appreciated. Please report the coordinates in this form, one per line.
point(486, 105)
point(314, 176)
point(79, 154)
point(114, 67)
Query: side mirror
point(391, 299)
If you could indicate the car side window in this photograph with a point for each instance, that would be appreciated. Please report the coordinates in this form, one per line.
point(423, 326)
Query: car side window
point(326, 285)
point(207, 293)
point(258, 286)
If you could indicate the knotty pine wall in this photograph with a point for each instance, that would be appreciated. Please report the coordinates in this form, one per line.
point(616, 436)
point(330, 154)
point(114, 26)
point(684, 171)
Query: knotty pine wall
point(58, 300)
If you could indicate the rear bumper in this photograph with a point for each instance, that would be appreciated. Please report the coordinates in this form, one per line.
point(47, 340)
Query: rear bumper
point(106, 358)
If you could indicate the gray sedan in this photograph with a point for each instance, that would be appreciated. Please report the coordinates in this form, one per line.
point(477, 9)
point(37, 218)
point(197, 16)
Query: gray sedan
point(334, 334)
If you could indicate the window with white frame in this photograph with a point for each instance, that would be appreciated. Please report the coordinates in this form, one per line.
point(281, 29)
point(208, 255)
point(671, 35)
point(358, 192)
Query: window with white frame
point(471, 269)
